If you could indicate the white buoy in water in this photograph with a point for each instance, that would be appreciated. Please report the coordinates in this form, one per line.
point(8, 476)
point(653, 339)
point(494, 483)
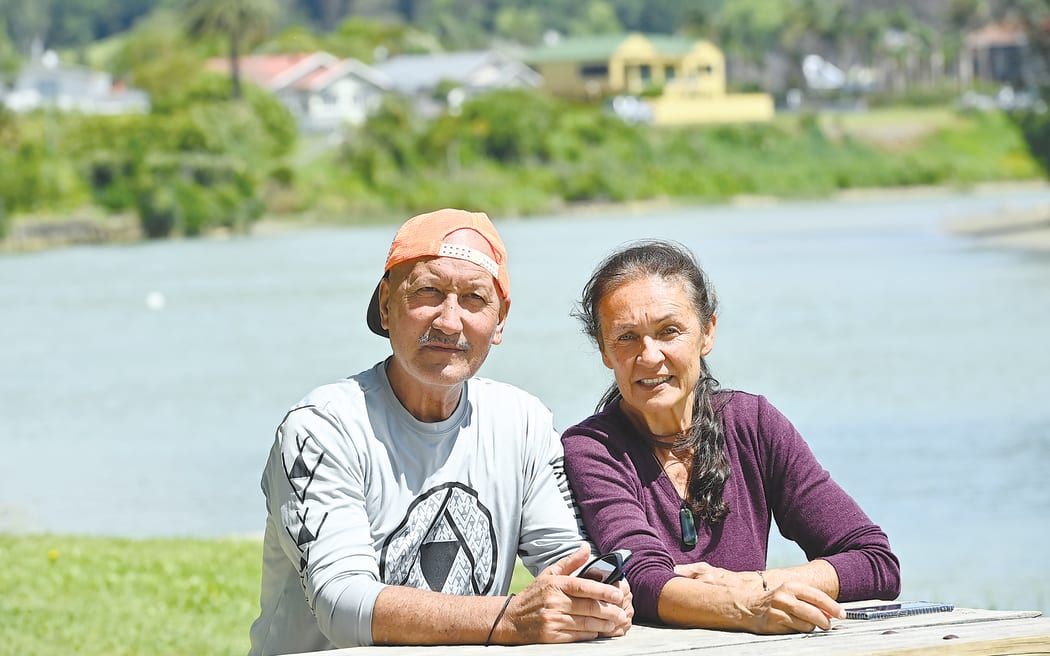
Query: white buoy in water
point(155, 301)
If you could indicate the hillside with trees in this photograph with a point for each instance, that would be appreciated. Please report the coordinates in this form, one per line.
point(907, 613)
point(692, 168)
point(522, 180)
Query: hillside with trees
point(738, 25)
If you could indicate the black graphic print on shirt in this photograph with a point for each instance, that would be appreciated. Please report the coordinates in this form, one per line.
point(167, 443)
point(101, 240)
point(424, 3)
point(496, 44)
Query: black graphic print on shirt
point(300, 476)
point(557, 465)
point(446, 543)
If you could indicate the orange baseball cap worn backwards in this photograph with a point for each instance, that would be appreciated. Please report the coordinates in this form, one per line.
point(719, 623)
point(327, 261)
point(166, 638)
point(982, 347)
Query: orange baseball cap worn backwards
point(425, 235)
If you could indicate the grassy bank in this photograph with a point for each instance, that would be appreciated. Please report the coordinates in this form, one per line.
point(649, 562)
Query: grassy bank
point(85, 595)
point(112, 596)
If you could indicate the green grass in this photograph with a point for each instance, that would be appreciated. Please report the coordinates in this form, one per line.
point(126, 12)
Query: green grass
point(928, 118)
point(85, 595)
point(114, 596)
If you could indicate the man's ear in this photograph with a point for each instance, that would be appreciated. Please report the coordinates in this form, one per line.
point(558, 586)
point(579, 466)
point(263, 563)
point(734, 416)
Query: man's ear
point(384, 303)
point(504, 309)
point(709, 336)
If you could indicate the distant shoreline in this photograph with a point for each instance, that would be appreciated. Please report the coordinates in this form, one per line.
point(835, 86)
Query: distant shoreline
point(1012, 229)
point(1027, 230)
point(1023, 230)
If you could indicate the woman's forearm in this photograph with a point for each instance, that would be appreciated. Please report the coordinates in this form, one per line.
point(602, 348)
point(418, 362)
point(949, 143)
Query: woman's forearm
point(818, 573)
point(791, 599)
point(689, 603)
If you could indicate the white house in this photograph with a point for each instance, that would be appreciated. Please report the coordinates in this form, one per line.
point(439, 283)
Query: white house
point(47, 83)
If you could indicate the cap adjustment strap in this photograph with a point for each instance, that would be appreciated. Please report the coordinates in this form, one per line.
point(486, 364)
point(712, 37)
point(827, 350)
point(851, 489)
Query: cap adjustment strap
point(471, 255)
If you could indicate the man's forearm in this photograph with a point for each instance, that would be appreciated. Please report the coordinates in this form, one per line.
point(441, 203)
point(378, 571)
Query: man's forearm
point(408, 616)
point(555, 607)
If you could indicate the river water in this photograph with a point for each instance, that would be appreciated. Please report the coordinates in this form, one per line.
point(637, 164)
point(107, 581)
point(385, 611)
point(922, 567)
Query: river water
point(140, 385)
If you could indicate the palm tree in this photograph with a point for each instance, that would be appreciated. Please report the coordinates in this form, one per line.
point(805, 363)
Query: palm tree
point(236, 20)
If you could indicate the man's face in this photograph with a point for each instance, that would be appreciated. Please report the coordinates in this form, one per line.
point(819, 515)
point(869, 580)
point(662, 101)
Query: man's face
point(443, 315)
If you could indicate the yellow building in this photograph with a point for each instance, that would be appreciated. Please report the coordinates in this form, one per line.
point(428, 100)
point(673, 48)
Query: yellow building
point(684, 80)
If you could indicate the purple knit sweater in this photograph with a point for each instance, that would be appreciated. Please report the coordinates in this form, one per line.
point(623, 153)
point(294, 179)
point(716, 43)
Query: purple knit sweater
point(628, 502)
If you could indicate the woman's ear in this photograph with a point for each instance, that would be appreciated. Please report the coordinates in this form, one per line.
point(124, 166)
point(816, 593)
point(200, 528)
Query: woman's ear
point(605, 356)
point(709, 336)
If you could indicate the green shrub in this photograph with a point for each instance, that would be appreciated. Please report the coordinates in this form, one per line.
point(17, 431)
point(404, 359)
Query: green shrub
point(1035, 129)
point(266, 124)
point(386, 145)
point(509, 127)
point(190, 193)
point(5, 219)
point(283, 175)
point(157, 208)
point(111, 178)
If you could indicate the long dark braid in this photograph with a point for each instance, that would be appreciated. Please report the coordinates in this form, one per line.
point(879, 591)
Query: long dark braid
point(704, 439)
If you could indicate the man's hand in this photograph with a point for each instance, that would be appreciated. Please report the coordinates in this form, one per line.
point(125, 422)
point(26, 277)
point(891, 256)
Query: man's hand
point(560, 607)
point(628, 606)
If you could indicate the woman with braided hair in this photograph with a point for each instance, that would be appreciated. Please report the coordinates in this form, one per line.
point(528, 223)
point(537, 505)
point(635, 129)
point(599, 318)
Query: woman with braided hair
point(688, 476)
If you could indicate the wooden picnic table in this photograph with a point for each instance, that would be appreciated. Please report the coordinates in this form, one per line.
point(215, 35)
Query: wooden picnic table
point(966, 631)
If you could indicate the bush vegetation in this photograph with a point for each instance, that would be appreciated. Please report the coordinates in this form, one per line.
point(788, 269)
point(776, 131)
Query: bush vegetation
point(1035, 128)
point(194, 164)
point(518, 152)
point(201, 162)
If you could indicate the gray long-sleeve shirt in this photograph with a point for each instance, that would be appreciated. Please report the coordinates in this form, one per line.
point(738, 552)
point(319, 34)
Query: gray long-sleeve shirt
point(360, 495)
point(628, 502)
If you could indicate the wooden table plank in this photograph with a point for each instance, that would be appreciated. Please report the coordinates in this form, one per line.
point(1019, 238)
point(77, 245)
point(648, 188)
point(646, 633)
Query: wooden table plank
point(1000, 647)
point(974, 632)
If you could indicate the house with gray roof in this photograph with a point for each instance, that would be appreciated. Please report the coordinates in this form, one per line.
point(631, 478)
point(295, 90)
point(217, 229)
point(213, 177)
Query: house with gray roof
point(422, 77)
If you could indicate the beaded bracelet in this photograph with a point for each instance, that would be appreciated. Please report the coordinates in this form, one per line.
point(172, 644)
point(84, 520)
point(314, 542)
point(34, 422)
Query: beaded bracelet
point(762, 575)
point(498, 618)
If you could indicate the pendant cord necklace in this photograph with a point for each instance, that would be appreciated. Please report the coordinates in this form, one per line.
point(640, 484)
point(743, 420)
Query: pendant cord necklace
point(686, 521)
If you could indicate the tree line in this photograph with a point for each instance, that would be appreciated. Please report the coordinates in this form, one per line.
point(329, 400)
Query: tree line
point(742, 27)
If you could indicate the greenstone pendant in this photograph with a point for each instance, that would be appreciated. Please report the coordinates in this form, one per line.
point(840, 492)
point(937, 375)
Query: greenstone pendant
point(685, 520)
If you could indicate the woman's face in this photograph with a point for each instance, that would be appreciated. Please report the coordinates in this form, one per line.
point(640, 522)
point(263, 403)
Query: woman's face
point(652, 339)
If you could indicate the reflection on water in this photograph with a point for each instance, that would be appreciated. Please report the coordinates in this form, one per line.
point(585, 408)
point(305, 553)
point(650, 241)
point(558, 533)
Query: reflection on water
point(141, 384)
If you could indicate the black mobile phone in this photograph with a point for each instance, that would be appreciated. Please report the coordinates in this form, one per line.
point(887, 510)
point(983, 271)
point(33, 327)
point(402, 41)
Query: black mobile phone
point(607, 568)
point(901, 609)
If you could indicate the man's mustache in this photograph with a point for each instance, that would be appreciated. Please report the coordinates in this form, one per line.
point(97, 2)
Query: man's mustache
point(431, 337)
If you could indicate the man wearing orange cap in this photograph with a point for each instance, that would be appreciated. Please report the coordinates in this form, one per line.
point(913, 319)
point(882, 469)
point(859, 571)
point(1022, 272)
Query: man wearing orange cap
point(398, 499)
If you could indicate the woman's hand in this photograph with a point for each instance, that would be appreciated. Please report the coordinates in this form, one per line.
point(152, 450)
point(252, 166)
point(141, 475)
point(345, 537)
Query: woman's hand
point(791, 607)
point(717, 576)
point(785, 607)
